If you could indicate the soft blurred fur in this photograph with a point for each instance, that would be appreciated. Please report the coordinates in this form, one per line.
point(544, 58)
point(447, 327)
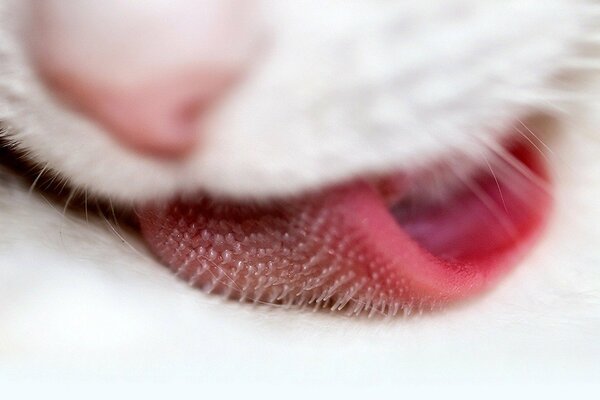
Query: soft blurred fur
point(340, 88)
point(81, 290)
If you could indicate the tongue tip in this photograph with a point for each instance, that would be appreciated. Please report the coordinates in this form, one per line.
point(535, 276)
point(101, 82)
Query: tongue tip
point(462, 248)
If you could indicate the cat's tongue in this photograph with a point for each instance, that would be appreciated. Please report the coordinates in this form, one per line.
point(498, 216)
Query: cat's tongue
point(348, 249)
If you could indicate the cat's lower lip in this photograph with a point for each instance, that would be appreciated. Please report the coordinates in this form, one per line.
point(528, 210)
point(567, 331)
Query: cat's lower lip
point(346, 249)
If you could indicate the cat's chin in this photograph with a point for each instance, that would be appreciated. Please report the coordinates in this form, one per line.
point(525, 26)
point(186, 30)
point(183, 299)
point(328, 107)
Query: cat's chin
point(376, 247)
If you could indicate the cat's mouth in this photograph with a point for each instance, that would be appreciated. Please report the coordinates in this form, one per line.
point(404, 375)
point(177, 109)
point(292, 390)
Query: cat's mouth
point(363, 247)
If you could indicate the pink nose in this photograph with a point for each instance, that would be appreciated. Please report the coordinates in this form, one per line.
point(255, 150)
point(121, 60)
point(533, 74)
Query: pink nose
point(161, 118)
point(145, 72)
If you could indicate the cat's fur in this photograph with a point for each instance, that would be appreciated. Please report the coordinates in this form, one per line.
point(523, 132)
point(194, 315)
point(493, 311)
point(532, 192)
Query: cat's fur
point(75, 288)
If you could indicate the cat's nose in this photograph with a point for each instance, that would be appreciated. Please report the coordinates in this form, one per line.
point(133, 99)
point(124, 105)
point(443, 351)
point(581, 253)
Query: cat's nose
point(162, 117)
point(147, 73)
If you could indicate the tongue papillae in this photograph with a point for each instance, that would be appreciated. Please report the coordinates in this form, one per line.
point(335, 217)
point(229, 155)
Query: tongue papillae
point(348, 249)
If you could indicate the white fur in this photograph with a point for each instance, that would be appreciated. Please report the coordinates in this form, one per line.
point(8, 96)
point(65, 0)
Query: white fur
point(344, 88)
point(78, 299)
point(76, 296)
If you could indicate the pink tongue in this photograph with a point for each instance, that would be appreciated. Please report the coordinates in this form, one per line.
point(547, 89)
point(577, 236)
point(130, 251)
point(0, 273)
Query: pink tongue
point(345, 249)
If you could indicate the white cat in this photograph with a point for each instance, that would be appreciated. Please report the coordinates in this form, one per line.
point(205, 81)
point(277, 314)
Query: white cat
point(135, 103)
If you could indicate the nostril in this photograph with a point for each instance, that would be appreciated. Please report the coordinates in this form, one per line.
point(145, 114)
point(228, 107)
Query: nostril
point(162, 118)
point(151, 125)
point(146, 72)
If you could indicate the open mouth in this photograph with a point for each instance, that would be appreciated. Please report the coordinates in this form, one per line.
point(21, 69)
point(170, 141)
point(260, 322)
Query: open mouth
point(377, 249)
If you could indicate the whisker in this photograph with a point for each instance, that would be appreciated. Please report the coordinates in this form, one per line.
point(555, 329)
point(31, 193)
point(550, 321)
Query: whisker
point(520, 183)
point(121, 237)
point(487, 161)
point(530, 131)
point(70, 198)
point(517, 165)
point(526, 137)
point(112, 210)
point(488, 202)
point(36, 180)
point(85, 204)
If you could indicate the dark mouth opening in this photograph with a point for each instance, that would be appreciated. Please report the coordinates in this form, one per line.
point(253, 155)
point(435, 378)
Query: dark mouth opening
point(486, 215)
point(349, 249)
